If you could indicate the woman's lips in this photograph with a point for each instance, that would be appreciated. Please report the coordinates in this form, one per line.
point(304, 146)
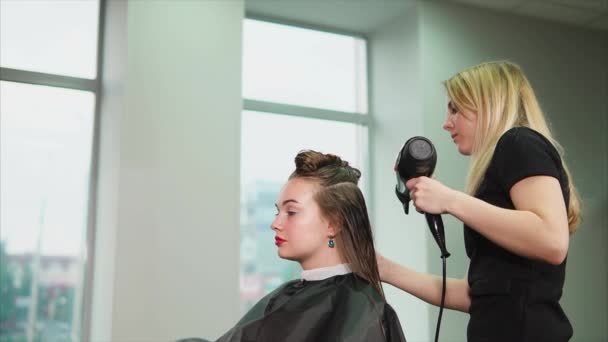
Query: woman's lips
point(278, 241)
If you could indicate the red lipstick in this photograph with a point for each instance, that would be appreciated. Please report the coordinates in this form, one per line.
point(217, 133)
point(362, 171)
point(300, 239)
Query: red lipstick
point(278, 241)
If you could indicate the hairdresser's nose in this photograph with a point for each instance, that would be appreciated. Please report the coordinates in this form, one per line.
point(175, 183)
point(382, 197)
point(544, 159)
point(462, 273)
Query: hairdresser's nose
point(448, 124)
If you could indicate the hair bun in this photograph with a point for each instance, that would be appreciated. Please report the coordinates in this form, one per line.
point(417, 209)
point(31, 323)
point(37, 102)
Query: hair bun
point(330, 168)
point(310, 161)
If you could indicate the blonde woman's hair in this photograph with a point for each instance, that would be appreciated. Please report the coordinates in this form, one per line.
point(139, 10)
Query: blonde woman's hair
point(503, 98)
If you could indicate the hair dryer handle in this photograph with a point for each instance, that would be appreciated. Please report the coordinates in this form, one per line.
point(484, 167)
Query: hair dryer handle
point(404, 197)
point(436, 226)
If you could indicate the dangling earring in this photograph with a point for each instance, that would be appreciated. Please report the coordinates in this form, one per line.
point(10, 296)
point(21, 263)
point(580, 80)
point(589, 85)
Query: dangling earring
point(331, 243)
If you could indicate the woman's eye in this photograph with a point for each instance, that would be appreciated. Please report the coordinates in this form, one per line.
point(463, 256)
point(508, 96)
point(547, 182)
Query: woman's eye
point(288, 213)
point(452, 108)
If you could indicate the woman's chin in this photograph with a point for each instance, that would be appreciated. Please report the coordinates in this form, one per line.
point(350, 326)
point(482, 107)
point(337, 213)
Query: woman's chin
point(464, 151)
point(285, 255)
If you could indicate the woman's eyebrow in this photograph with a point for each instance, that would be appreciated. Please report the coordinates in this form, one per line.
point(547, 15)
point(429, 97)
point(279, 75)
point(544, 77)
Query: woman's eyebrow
point(286, 201)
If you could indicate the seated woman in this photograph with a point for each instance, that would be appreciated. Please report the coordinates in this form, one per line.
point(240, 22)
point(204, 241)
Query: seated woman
point(322, 223)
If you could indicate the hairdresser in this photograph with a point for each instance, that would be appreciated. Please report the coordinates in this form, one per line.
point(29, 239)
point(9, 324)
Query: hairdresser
point(519, 211)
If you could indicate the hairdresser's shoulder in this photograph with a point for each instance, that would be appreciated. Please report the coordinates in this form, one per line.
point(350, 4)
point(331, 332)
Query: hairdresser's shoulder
point(522, 135)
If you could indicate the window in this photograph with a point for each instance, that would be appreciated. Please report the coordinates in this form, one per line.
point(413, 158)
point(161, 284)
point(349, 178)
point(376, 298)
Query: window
point(49, 90)
point(303, 89)
point(50, 36)
point(296, 66)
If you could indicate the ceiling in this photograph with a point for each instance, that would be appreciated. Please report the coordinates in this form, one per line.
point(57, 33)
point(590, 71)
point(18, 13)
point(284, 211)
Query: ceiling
point(584, 13)
point(355, 16)
point(363, 16)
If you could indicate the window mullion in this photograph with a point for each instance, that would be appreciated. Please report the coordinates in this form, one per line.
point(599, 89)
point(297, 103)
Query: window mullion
point(51, 80)
point(306, 112)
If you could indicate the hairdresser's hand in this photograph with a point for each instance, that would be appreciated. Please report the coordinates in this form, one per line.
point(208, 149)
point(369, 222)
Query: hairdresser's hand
point(429, 195)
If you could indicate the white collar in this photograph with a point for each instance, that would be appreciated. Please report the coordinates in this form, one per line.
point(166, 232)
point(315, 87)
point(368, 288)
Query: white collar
point(325, 272)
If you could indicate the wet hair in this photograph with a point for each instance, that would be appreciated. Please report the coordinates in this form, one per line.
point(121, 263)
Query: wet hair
point(342, 203)
point(328, 169)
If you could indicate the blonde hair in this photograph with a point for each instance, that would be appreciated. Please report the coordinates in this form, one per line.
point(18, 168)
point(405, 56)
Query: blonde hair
point(503, 98)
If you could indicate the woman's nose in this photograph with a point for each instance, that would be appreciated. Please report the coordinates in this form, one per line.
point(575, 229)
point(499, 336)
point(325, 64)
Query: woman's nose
point(275, 224)
point(448, 124)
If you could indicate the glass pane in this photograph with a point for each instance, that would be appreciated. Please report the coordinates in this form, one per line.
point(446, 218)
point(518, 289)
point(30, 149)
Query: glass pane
point(51, 36)
point(268, 147)
point(303, 67)
point(45, 153)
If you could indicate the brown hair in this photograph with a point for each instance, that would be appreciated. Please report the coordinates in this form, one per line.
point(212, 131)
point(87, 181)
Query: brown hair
point(342, 203)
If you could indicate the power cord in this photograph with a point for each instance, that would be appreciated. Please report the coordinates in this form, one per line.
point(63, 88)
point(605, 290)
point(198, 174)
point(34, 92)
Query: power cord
point(443, 288)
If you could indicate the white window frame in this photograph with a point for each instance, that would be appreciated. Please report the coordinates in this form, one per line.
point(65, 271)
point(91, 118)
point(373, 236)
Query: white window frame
point(364, 120)
point(94, 86)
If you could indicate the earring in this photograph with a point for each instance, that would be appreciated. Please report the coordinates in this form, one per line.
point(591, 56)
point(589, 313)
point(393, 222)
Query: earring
point(331, 243)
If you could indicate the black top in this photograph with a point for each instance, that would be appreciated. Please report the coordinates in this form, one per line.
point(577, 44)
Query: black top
point(521, 152)
point(340, 308)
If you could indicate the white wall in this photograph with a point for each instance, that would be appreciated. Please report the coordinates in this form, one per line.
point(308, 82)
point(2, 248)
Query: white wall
point(168, 221)
point(112, 110)
point(396, 105)
point(568, 68)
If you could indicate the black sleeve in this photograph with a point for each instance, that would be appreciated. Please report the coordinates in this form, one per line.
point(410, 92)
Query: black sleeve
point(522, 153)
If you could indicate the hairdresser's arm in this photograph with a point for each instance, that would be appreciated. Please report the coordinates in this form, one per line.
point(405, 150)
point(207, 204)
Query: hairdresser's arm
point(537, 228)
point(426, 286)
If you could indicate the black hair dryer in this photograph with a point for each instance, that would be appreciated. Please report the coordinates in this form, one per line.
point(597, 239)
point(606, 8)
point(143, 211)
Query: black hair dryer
point(418, 158)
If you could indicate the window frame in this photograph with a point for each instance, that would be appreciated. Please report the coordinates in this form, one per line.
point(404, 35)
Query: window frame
point(364, 120)
point(94, 86)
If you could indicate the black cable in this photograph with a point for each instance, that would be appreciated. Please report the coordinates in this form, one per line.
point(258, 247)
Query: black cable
point(442, 302)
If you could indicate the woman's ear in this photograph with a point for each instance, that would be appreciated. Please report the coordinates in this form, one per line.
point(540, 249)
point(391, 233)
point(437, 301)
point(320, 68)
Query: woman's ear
point(333, 230)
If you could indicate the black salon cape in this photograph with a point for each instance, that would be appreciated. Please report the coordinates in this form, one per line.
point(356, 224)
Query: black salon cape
point(340, 308)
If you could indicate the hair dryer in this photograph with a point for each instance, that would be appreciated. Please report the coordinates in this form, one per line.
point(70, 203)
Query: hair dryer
point(418, 158)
